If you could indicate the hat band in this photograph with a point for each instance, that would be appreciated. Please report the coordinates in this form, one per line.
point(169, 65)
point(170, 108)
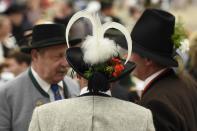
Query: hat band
point(46, 42)
point(152, 51)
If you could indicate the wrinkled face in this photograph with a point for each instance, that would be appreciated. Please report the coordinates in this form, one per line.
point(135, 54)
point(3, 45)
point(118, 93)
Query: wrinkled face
point(140, 70)
point(50, 63)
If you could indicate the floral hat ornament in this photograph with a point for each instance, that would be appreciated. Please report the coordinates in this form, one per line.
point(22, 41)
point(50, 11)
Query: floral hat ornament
point(99, 55)
point(181, 42)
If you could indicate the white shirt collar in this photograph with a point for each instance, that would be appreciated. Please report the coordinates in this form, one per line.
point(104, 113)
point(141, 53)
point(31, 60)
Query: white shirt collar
point(153, 76)
point(1, 53)
point(43, 84)
point(85, 90)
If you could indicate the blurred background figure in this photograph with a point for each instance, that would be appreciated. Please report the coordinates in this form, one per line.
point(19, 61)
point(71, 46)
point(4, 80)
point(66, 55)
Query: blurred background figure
point(63, 9)
point(134, 12)
point(192, 65)
point(107, 11)
point(93, 6)
point(16, 14)
point(4, 5)
point(63, 12)
point(152, 3)
point(34, 11)
point(6, 42)
point(17, 62)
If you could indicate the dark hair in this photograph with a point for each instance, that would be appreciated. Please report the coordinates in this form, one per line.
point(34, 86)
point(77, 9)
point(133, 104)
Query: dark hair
point(105, 4)
point(69, 3)
point(15, 9)
point(98, 82)
point(20, 57)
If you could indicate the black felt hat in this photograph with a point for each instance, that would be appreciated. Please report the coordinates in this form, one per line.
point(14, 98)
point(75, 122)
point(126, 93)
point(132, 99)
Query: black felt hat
point(152, 37)
point(97, 59)
point(46, 35)
point(75, 59)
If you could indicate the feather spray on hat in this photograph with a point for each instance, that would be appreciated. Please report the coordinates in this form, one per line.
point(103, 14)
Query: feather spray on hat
point(96, 48)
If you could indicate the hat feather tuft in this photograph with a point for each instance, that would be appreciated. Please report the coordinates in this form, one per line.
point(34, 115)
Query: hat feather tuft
point(100, 51)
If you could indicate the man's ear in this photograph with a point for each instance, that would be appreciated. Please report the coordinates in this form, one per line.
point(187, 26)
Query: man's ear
point(148, 62)
point(34, 54)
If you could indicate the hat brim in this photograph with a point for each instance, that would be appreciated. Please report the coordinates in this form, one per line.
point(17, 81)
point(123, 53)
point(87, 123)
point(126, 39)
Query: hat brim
point(27, 49)
point(162, 60)
point(74, 57)
point(118, 37)
point(75, 41)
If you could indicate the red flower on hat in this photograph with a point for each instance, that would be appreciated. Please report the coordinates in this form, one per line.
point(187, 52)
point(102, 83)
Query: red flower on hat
point(113, 67)
point(118, 67)
point(116, 60)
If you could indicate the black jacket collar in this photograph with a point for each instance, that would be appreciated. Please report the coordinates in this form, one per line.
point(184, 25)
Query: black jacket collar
point(95, 94)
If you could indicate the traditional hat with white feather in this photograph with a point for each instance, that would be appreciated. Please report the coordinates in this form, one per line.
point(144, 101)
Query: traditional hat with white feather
point(98, 60)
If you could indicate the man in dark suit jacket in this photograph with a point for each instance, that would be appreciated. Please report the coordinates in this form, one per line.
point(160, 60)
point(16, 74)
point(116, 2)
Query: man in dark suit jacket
point(172, 102)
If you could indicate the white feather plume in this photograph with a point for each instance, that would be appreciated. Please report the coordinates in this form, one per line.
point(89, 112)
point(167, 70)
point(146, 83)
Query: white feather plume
point(100, 51)
point(96, 48)
point(126, 33)
point(75, 17)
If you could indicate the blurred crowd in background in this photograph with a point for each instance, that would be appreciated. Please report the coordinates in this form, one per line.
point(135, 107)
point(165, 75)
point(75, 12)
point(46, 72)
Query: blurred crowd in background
point(17, 17)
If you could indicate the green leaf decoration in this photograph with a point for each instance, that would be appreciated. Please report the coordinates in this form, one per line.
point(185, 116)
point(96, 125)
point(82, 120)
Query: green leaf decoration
point(179, 33)
point(88, 73)
point(109, 69)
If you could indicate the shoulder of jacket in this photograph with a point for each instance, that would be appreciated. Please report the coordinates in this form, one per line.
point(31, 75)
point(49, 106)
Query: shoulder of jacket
point(16, 82)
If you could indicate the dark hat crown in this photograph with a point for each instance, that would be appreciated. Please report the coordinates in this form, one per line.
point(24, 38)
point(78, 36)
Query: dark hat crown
point(46, 35)
point(152, 36)
point(154, 30)
point(47, 32)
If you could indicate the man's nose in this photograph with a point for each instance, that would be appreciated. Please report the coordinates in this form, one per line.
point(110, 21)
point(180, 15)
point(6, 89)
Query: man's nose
point(64, 62)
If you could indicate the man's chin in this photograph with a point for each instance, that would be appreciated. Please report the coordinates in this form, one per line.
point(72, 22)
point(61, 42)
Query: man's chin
point(58, 79)
point(135, 75)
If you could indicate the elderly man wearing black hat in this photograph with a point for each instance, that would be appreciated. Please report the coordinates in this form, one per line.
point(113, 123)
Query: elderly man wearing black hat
point(44, 82)
point(173, 104)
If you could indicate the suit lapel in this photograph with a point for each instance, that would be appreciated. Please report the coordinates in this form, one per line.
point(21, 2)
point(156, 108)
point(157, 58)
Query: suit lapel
point(35, 83)
point(160, 76)
point(38, 87)
point(65, 90)
point(36, 97)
